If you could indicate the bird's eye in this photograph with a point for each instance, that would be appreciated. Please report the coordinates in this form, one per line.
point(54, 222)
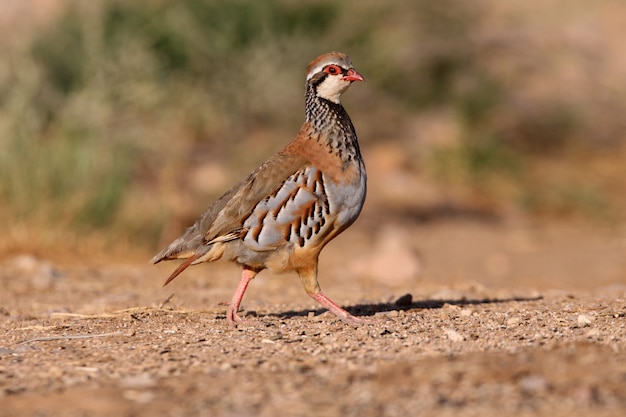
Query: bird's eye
point(332, 70)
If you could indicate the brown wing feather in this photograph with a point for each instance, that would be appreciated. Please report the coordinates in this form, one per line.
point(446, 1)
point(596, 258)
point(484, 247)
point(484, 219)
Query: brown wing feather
point(226, 215)
point(261, 183)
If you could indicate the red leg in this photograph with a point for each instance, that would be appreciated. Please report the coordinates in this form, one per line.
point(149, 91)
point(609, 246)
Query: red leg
point(233, 307)
point(342, 314)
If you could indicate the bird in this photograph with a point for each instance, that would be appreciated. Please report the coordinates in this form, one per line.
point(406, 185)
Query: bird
point(284, 212)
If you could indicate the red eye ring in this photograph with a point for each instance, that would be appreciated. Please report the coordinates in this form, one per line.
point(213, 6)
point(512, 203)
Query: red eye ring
point(332, 70)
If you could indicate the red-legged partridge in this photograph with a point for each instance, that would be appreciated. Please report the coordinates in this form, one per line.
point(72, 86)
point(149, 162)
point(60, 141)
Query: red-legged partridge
point(282, 214)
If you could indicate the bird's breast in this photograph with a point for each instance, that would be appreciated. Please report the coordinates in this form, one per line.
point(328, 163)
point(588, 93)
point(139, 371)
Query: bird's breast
point(348, 195)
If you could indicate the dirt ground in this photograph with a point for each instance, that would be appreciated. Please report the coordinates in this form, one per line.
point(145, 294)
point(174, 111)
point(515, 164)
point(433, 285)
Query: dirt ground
point(502, 319)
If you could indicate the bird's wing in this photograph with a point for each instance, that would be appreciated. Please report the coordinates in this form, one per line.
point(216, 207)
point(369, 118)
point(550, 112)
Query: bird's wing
point(258, 186)
point(223, 220)
point(295, 212)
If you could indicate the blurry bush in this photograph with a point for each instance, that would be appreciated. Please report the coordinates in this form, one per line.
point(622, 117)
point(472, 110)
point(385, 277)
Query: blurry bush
point(112, 116)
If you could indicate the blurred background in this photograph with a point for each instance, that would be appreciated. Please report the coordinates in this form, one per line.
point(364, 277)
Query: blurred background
point(121, 120)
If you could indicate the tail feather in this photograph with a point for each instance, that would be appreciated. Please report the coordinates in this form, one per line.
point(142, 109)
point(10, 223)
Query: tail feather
point(182, 247)
point(167, 255)
point(181, 268)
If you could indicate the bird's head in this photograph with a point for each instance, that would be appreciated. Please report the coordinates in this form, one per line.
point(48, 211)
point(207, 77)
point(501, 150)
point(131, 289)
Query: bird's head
point(331, 74)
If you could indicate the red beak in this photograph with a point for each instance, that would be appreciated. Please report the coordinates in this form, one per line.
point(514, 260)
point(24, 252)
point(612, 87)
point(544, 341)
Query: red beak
point(352, 75)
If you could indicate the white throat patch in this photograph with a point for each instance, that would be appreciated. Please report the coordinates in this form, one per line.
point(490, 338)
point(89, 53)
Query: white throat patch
point(332, 88)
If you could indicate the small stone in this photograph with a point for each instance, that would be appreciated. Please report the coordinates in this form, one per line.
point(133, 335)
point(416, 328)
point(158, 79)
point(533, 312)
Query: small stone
point(404, 301)
point(140, 397)
point(453, 335)
point(513, 321)
point(466, 312)
point(584, 320)
point(533, 384)
point(88, 369)
point(393, 313)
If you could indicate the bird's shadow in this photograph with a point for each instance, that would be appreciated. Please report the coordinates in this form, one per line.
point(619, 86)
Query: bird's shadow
point(364, 310)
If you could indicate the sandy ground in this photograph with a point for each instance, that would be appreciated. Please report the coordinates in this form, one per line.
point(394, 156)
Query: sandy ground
point(475, 315)
point(501, 320)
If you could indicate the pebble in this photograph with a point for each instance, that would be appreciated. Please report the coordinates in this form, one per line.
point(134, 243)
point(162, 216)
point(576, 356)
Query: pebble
point(533, 384)
point(140, 397)
point(405, 300)
point(584, 320)
point(88, 369)
point(453, 335)
point(513, 321)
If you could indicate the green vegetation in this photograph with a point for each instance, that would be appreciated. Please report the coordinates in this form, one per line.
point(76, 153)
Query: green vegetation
point(102, 110)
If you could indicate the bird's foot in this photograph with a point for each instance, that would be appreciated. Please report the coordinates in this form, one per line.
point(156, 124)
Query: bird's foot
point(231, 314)
point(354, 320)
point(341, 314)
point(235, 320)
